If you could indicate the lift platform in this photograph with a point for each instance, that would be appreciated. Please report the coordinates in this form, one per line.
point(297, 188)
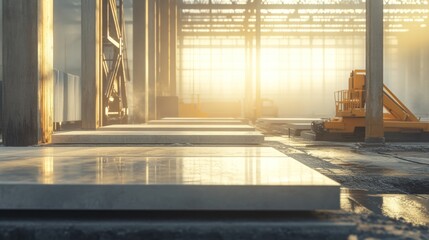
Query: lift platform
point(399, 121)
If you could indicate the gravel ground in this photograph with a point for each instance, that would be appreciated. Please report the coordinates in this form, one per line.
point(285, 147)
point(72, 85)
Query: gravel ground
point(375, 181)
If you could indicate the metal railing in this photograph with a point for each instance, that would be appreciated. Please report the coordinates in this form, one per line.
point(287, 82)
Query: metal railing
point(348, 100)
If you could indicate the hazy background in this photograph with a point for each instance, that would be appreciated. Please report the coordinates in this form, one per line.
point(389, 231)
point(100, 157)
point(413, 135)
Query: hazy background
point(300, 73)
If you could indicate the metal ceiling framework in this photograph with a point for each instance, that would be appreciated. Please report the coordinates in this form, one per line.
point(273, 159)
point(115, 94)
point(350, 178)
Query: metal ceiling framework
point(288, 17)
point(254, 24)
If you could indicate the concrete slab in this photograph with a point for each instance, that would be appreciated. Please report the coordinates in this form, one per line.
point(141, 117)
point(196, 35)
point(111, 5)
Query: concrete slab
point(57, 182)
point(296, 129)
point(136, 151)
point(286, 120)
point(278, 124)
point(302, 126)
point(157, 137)
point(194, 122)
point(193, 127)
point(199, 119)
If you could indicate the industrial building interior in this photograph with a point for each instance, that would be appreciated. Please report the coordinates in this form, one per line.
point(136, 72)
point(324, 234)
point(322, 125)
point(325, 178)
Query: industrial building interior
point(214, 119)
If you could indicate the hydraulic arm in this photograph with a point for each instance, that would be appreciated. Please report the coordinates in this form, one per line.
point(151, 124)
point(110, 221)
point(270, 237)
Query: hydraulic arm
point(350, 111)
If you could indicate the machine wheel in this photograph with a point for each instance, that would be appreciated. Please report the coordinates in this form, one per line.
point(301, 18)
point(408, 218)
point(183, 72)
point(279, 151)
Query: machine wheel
point(318, 127)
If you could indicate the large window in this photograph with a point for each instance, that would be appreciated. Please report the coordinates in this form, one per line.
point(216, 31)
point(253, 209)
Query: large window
point(308, 49)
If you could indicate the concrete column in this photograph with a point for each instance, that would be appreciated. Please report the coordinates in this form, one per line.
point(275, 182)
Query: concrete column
point(1, 76)
point(248, 94)
point(179, 76)
point(27, 72)
point(258, 60)
point(173, 47)
point(164, 50)
point(151, 60)
point(92, 112)
point(139, 55)
point(158, 46)
point(374, 132)
point(249, 103)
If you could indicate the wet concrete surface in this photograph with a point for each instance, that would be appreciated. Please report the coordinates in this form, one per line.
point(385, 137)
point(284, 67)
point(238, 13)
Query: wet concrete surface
point(410, 208)
point(390, 181)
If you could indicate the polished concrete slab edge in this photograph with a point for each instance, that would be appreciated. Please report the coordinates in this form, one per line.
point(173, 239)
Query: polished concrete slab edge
point(195, 122)
point(168, 197)
point(286, 120)
point(145, 127)
point(159, 137)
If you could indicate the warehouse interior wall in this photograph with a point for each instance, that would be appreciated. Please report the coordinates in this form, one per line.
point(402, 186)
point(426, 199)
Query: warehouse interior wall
point(299, 71)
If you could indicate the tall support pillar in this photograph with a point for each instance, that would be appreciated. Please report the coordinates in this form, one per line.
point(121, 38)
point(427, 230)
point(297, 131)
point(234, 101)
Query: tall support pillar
point(248, 53)
point(258, 60)
point(139, 59)
point(164, 50)
point(173, 47)
point(151, 60)
point(27, 72)
point(248, 94)
point(92, 112)
point(374, 132)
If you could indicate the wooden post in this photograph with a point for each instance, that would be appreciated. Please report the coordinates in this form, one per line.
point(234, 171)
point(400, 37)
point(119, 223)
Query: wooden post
point(92, 111)
point(374, 132)
point(27, 72)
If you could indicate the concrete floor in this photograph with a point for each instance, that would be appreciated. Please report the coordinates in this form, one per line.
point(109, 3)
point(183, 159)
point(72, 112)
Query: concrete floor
point(385, 195)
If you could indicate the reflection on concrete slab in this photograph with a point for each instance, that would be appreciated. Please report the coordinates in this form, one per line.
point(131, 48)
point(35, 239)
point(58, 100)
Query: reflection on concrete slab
point(161, 170)
point(77, 179)
point(136, 151)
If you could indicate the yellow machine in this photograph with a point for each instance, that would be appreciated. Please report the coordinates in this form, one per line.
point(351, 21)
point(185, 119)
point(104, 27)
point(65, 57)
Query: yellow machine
point(350, 111)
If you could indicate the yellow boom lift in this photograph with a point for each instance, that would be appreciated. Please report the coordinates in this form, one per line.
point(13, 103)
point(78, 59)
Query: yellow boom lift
point(350, 112)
